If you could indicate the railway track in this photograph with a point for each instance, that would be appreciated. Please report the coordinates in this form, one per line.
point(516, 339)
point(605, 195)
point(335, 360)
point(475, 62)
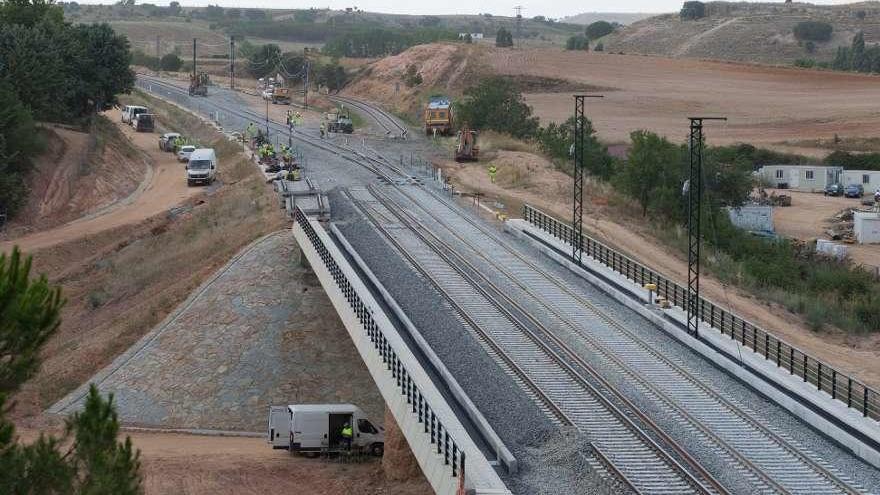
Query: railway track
point(371, 163)
point(385, 120)
point(449, 248)
point(769, 461)
point(567, 393)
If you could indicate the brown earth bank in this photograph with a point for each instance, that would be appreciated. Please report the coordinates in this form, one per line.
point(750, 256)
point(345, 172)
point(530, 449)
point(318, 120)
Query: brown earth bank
point(747, 31)
point(175, 463)
point(79, 173)
point(161, 189)
point(765, 105)
point(527, 178)
point(124, 277)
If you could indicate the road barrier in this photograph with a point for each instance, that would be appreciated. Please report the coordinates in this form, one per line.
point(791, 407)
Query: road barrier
point(840, 386)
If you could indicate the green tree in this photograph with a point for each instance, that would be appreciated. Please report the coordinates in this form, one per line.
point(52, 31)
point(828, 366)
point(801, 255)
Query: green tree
point(577, 42)
point(692, 10)
point(265, 60)
point(503, 38)
point(18, 142)
point(29, 13)
point(813, 31)
point(647, 168)
point(557, 140)
point(95, 463)
point(496, 103)
point(599, 29)
point(171, 63)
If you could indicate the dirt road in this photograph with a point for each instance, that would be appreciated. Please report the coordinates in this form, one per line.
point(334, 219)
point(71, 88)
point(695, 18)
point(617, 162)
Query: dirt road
point(196, 464)
point(163, 188)
point(764, 104)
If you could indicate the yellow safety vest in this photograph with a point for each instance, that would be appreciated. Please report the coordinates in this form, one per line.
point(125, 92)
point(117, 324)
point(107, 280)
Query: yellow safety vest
point(346, 432)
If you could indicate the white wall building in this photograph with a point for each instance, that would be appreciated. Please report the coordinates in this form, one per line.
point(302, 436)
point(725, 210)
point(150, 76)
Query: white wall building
point(809, 178)
point(866, 225)
point(869, 179)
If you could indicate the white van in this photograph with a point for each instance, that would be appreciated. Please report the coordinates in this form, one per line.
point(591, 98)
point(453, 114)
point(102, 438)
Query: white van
point(129, 112)
point(202, 167)
point(318, 428)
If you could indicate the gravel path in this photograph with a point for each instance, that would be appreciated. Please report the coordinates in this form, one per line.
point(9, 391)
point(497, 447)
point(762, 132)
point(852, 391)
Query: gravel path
point(263, 332)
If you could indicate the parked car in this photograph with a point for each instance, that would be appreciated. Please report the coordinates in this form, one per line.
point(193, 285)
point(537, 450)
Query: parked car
point(166, 141)
point(185, 152)
point(202, 167)
point(854, 191)
point(144, 122)
point(834, 190)
point(130, 112)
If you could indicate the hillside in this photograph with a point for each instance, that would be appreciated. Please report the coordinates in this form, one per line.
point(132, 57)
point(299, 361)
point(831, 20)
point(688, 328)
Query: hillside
point(752, 32)
point(618, 17)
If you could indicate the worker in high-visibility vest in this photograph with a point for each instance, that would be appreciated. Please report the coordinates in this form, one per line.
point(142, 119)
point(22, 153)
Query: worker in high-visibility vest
point(492, 172)
point(346, 434)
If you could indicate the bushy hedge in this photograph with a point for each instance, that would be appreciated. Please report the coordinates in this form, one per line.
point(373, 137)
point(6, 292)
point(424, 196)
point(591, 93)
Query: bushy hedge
point(813, 31)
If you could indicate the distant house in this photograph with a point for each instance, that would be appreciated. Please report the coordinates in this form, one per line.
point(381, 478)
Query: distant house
point(809, 178)
point(869, 179)
point(474, 36)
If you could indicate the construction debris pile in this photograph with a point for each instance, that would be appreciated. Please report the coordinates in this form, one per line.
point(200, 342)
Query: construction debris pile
point(772, 199)
point(841, 228)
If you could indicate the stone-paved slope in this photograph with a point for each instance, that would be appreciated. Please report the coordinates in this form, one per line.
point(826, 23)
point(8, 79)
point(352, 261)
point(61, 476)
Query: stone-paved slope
point(262, 332)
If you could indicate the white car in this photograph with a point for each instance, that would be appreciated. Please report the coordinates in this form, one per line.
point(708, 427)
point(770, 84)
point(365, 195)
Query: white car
point(185, 152)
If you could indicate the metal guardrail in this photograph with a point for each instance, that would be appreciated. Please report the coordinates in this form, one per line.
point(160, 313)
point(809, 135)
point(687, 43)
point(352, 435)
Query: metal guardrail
point(446, 446)
point(840, 386)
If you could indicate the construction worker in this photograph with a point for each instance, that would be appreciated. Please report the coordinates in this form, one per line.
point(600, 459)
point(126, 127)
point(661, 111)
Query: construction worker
point(178, 142)
point(346, 435)
point(492, 172)
point(323, 130)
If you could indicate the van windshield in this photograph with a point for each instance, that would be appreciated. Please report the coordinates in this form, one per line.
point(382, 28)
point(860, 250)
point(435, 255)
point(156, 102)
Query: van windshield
point(200, 164)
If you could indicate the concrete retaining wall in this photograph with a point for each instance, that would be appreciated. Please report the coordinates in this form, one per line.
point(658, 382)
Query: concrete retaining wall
point(480, 477)
point(846, 426)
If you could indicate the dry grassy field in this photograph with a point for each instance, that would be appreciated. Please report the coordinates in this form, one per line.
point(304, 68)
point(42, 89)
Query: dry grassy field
point(766, 105)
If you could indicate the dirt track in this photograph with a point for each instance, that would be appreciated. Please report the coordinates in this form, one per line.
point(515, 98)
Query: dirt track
point(764, 104)
point(193, 464)
point(163, 189)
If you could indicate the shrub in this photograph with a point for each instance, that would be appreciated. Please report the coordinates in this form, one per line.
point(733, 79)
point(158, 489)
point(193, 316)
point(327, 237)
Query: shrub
point(599, 29)
point(813, 31)
point(577, 42)
point(171, 63)
point(503, 38)
point(412, 77)
point(806, 63)
point(600, 47)
point(692, 10)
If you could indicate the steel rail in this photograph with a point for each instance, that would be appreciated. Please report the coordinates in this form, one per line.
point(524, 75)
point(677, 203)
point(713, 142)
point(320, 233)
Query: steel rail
point(622, 364)
point(495, 297)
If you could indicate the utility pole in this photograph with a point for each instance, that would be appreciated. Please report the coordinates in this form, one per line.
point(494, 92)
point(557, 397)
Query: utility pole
point(519, 10)
point(306, 85)
point(694, 190)
point(232, 62)
point(580, 136)
point(194, 58)
point(158, 56)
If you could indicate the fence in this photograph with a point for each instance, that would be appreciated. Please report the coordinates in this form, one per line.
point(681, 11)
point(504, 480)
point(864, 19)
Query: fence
point(439, 436)
point(840, 386)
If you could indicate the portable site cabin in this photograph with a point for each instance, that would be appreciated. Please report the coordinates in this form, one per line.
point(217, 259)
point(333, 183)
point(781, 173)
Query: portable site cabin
point(807, 178)
point(869, 179)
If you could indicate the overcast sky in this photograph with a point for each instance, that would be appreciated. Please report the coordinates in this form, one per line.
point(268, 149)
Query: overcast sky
point(551, 8)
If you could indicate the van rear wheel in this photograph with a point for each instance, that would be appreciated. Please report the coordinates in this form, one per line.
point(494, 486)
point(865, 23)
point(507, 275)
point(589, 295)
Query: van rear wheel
point(377, 449)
